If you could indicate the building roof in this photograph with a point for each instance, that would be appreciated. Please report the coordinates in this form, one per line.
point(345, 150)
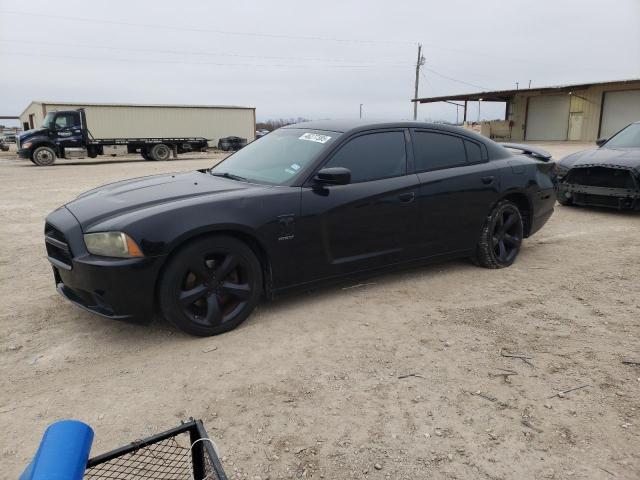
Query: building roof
point(154, 105)
point(504, 95)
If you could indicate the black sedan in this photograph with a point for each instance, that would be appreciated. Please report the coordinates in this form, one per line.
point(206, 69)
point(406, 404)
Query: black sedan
point(307, 204)
point(608, 176)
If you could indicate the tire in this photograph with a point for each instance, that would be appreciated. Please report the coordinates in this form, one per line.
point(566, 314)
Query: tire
point(145, 155)
point(567, 202)
point(210, 286)
point(43, 156)
point(160, 152)
point(501, 236)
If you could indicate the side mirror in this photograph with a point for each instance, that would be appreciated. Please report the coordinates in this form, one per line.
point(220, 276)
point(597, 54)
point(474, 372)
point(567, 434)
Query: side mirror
point(333, 176)
point(601, 141)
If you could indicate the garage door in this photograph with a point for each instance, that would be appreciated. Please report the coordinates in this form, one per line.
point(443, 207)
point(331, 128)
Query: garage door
point(548, 117)
point(619, 110)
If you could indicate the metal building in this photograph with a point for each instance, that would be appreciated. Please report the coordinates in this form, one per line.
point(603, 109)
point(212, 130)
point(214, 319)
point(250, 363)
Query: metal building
point(112, 120)
point(583, 112)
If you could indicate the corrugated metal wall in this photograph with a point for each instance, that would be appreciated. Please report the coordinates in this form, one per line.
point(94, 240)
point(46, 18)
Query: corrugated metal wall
point(146, 121)
point(587, 101)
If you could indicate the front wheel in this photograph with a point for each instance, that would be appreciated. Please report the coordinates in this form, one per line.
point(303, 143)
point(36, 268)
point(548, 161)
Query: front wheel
point(501, 236)
point(43, 156)
point(210, 286)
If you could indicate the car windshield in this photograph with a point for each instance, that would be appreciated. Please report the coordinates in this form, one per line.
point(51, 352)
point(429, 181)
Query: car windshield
point(628, 137)
point(48, 120)
point(277, 157)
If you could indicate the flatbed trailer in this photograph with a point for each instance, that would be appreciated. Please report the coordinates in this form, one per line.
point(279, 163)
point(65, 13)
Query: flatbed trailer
point(65, 134)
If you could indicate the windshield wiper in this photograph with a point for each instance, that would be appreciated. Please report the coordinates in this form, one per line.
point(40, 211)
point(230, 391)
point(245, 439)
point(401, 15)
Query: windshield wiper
point(230, 176)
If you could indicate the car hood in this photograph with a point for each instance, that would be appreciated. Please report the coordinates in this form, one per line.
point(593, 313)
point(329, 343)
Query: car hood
point(623, 157)
point(124, 197)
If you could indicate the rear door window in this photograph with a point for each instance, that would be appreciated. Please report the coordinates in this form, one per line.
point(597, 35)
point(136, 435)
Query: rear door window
point(434, 151)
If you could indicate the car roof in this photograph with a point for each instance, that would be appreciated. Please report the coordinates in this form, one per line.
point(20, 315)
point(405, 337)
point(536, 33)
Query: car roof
point(344, 126)
point(353, 126)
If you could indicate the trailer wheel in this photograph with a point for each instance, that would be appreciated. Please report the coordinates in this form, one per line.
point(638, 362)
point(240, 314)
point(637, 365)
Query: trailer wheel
point(160, 152)
point(145, 154)
point(43, 156)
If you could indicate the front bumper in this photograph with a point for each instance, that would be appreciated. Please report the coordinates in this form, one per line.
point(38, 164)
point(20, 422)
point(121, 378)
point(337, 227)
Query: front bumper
point(619, 198)
point(24, 153)
point(114, 288)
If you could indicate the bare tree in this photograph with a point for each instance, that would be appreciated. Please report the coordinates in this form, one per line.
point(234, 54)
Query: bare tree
point(277, 123)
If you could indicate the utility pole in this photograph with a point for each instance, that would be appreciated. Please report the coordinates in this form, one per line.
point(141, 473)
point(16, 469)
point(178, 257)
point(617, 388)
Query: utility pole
point(361, 110)
point(419, 63)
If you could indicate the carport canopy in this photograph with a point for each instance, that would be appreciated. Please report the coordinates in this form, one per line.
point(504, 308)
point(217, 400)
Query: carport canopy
point(508, 95)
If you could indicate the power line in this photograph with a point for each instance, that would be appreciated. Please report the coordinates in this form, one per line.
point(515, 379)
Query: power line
point(279, 36)
point(208, 30)
point(429, 83)
point(455, 79)
point(199, 53)
point(145, 60)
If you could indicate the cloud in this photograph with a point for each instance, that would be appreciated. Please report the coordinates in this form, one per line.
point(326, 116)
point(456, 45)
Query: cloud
point(185, 59)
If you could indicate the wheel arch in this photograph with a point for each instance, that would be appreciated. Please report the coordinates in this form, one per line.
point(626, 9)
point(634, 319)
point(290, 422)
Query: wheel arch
point(525, 205)
point(45, 143)
point(244, 236)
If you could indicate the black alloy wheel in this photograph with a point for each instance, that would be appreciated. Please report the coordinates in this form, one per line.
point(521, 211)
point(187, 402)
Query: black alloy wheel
point(501, 236)
point(211, 286)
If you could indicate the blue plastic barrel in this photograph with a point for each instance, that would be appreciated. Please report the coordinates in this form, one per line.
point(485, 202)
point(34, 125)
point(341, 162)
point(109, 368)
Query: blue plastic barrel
point(63, 452)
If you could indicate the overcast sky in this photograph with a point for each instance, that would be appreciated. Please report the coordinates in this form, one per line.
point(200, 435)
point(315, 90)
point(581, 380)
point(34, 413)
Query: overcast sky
point(313, 60)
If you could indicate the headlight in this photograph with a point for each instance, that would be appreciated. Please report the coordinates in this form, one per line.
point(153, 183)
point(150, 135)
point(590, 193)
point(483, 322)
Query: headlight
point(26, 145)
point(112, 244)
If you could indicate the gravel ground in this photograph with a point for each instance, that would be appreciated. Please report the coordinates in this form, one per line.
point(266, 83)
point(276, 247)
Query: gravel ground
point(402, 376)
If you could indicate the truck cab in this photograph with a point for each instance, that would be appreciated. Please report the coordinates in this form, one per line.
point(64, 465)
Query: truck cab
point(62, 135)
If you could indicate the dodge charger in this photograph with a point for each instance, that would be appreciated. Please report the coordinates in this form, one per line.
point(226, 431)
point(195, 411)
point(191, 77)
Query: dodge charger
point(308, 204)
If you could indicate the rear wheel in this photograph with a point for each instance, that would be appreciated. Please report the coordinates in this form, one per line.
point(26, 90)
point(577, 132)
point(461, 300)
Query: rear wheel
point(160, 152)
point(210, 286)
point(501, 236)
point(43, 156)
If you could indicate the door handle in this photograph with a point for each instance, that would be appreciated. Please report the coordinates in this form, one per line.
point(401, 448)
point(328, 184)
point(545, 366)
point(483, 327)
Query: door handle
point(488, 180)
point(407, 197)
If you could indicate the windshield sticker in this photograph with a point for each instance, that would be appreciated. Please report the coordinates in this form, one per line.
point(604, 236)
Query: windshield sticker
point(295, 166)
point(315, 137)
point(289, 171)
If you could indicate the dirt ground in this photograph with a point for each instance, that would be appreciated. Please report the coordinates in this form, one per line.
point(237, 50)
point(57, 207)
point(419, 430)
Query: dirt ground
point(398, 377)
